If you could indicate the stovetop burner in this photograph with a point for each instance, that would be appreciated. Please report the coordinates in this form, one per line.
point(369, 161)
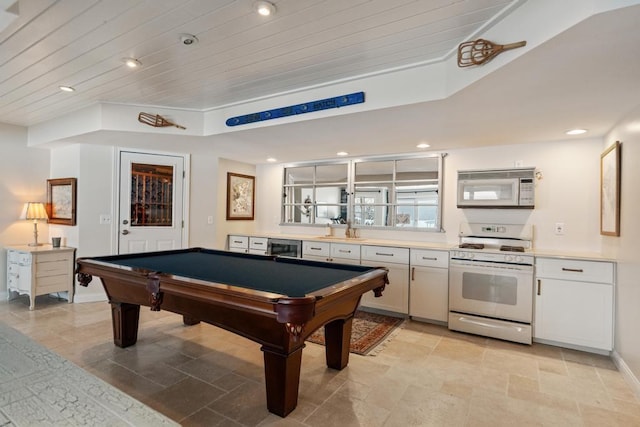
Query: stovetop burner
point(472, 246)
point(512, 248)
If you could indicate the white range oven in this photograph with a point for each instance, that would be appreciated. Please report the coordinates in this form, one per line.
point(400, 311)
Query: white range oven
point(491, 284)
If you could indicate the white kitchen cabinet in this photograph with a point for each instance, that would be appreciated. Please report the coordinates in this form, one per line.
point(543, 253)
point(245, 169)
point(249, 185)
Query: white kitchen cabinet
point(258, 245)
point(40, 270)
point(342, 253)
point(574, 302)
point(238, 244)
point(429, 284)
point(395, 297)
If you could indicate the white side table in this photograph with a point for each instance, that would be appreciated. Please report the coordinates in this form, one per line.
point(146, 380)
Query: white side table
point(39, 270)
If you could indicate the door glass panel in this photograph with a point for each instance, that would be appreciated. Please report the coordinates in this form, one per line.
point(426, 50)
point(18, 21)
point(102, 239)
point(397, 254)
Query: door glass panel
point(151, 195)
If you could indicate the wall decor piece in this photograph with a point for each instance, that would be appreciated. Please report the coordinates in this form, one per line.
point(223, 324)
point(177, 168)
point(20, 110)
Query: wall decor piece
point(477, 52)
point(156, 121)
point(610, 190)
point(292, 110)
point(61, 201)
point(240, 196)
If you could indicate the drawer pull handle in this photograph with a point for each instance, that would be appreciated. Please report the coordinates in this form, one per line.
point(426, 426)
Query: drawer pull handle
point(315, 249)
point(413, 273)
point(573, 270)
point(539, 287)
point(429, 258)
point(383, 254)
point(237, 241)
point(344, 251)
point(258, 243)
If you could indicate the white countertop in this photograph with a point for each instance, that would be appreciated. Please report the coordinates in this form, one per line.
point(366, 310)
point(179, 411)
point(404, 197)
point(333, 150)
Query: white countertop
point(591, 256)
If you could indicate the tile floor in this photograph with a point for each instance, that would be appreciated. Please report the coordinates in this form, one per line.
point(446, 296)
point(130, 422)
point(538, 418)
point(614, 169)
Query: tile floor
point(426, 376)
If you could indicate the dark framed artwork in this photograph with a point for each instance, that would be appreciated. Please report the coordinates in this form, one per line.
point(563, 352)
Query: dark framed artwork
point(610, 191)
point(240, 196)
point(61, 201)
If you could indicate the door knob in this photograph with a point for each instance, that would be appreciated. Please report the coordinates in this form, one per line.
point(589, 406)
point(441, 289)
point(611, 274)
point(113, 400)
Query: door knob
point(125, 222)
point(125, 232)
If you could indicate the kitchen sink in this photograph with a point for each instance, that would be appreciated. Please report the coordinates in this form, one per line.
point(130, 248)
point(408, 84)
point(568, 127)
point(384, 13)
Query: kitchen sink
point(340, 238)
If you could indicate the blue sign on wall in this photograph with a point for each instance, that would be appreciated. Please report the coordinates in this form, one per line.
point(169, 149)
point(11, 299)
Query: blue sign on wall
point(292, 110)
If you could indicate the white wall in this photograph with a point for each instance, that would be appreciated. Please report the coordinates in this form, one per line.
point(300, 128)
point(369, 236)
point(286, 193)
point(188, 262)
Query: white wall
point(23, 178)
point(567, 192)
point(625, 247)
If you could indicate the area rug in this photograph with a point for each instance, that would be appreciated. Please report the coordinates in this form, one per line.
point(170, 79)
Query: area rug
point(39, 387)
point(368, 332)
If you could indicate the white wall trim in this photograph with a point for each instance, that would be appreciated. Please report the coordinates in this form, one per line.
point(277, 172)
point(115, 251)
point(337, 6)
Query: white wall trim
point(626, 372)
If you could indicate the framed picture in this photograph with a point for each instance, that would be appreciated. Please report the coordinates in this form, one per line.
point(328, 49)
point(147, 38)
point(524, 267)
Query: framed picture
point(240, 196)
point(610, 191)
point(61, 201)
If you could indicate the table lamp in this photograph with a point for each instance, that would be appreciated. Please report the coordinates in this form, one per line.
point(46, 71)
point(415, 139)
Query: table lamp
point(34, 211)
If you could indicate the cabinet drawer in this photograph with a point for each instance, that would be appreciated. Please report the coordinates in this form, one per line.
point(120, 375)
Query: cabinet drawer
point(46, 258)
point(238, 242)
point(259, 243)
point(53, 268)
point(345, 251)
point(429, 258)
point(316, 248)
point(385, 254)
point(579, 270)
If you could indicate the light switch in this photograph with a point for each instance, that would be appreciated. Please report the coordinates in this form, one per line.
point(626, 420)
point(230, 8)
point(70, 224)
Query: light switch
point(105, 219)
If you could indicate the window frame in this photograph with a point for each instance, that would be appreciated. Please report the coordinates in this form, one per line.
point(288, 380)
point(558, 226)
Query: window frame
point(390, 206)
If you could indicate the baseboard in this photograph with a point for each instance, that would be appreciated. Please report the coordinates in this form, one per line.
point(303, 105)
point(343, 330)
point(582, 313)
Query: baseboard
point(627, 373)
point(89, 298)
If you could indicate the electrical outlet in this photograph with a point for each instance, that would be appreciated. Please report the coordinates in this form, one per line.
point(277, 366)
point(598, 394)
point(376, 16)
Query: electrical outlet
point(559, 228)
point(518, 164)
point(209, 219)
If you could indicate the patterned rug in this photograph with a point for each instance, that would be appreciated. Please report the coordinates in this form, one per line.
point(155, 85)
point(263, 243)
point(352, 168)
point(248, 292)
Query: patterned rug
point(40, 388)
point(368, 331)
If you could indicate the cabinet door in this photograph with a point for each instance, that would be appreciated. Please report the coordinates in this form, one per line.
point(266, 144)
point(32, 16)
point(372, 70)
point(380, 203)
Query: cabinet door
point(573, 312)
point(395, 297)
point(429, 293)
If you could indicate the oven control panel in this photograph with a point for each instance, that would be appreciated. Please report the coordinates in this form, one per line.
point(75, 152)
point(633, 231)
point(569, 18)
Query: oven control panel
point(501, 257)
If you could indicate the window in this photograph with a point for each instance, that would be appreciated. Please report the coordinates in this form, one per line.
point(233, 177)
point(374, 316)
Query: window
point(377, 193)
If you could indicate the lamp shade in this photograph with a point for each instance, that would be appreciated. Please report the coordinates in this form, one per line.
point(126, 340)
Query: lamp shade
point(34, 210)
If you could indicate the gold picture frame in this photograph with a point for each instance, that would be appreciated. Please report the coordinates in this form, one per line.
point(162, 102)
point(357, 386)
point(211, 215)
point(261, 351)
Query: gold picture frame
point(610, 161)
point(61, 201)
point(240, 196)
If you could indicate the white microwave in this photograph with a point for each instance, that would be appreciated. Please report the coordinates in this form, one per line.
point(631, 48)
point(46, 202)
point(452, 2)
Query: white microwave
point(497, 188)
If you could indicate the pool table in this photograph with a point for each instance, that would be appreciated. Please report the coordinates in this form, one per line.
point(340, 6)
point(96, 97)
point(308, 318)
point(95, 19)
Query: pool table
point(275, 301)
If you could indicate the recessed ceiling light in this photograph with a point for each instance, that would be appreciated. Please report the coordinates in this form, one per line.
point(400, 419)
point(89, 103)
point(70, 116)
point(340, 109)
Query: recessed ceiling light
point(131, 62)
point(423, 145)
point(66, 88)
point(271, 159)
point(264, 8)
point(342, 153)
point(576, 131)
point(188, 39)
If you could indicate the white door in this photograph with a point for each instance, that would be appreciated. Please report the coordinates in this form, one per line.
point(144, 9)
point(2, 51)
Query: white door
point(151, 202)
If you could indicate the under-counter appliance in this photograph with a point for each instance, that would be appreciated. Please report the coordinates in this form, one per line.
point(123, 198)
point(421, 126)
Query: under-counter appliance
point(285, 247)
point(497, 188)
point(491, 282)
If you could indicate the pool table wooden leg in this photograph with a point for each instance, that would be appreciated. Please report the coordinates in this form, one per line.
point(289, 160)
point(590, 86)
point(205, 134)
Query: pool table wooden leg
point(124, 318)
point(282, 378)
point(337, 337)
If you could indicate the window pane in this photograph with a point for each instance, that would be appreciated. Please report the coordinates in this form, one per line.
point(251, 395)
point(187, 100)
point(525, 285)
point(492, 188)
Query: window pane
point(331, 173)
point(299, 175)
point(151, 195)
point(412, 169)
point(374, 171)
